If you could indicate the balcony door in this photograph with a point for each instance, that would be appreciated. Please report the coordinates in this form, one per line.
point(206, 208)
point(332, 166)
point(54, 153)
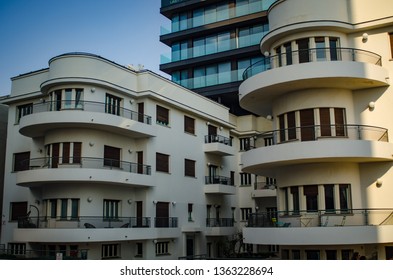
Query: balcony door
point(307, 125)
point(139, 213)
point(304, 50)
point(162, 214)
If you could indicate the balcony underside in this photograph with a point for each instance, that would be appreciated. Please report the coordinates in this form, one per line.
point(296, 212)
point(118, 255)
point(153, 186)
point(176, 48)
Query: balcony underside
point(38, 124)
point(219, 149)
point(332, 150)
point(258, 92)
point(219, 189)
point(53, 176)
point(92, 234)
point(319, 235)
point(220, 231)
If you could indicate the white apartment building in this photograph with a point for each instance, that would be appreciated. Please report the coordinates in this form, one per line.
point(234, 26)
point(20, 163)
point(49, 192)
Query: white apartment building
point(103, 161)
point(328, 91)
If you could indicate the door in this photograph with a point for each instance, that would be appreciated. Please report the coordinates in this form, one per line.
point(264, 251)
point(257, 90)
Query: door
point(139, 214)
point(304, 52)
point(307, 124)
point(140, 162)
point(190, 246)
point(162, 214)
point(212, 132)
point(213, 176)
point(141, 112)
point(55, 155)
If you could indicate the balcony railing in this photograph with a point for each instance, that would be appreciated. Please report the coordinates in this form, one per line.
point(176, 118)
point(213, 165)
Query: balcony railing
point(90, 106)
point(322, 218)
point(83, 222)
point(166, 222)
point(209, 180)
point(84, 162)
point(219, 222)
point(218, 139)
point(319, 132)
point(23, 254)
point(312, 55)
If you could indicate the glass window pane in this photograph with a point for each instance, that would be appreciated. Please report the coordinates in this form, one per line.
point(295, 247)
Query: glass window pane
point(241, 7)
point(211, 44)
point(199, 77)
point(210, 14)
point(224, 42)
point(222, 11)
point(198, 17)
point(224, 72)
point(211, 75)
point(199, 47)
point(175, 23)
point(183, 21)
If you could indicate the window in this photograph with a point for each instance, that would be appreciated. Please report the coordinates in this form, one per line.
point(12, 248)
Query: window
point(324, 116)
point(331, 254)
point(304, 52)
point(112, 156)
point(18, 209)
point(339, 120)
point(189, 125)
point(288, 53)
point(23, 110)
point(22, 161)
point(313, 255)
point(295, 200)
point(69, 208)
point(311, 193)
point(162, 115)
point(162, 162)
point(110, 251)
point(245, 212)
point(345, 194)
point(245, 144)
point(245, 179)
point(162, 248)
point(295, 254)
point(17, 248)
point(111, 209)
point(346, 254)
point(333, 47)
point(139, 249)
point(69, 98)
point(329, 198)
point(190, 206)
point(112, 104)
point(179, 51)
point(189, 168)
point(320, 48)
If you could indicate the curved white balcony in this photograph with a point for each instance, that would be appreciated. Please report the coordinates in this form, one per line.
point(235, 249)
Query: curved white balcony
point(94, 229)
point(85, 114)
point(274, 76)
point(346, 143)
point(354, 226)
point(48, 171)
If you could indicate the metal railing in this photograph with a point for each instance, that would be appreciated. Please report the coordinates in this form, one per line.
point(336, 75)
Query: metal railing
point(85, 162)
point(219, 222)
point(312, 55)
point(218, 139)
point(166, 222)
point(89, 106)
point(209, 180)
point(322, 218)
point(319, 132)
point(23, 254)
point(88, 222)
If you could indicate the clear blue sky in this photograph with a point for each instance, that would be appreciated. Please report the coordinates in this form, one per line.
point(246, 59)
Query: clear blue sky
point(33, 31)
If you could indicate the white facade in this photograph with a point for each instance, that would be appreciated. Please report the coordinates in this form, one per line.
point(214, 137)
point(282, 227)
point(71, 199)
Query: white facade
point(327, 89)
point(113, 163)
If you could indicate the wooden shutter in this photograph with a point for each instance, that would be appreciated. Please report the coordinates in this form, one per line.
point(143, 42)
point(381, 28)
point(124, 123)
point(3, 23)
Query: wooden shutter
point(339, 120)
point(291, 125)
point(22, 161)
point(189, 125)
point(324, 115)
point(18, 209)
point(162, 162)
point(111, 156)
point(307, 124)
point(77, 153)
point(66, 152)
point(162, 115)
point(189, 167)
point(55, 154)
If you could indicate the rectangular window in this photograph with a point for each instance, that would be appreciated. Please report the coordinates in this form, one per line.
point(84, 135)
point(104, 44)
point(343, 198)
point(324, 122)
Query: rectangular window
point(295, 200)
point(64, 207)
point(339, 120)
point(53, 208)
point(67, 98)
point(139, 249)
point(313, 255)
point(245, 212)
point(110, 251)
point(190, 206)
point(17, 248)
point(288, 53)
point(111, 209)
point(345, 198)
point(304, 52)
point(162, 115)
point(18, 209)
point(74, 208)
point(21, 161)
point(291, 121)
point(189, 125)
point(162, 162)
point(311, 193)
point(307, 124)
point(66, 152)
point(324, 116)
point(112, 156)
point(331, 254)
point(329, 198)
point(162, 248)
point(245, 179)
point(320, 48)
point(112, 104)
point(245, 144)
point(23, 110)
point(333, 48)
point(77, 152)
point(391, 44)
point(281, 123)
point(346, 254)
point(189, 167)
point(295, 254)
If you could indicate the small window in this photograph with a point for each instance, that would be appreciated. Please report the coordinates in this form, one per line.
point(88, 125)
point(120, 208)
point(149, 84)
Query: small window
point(110, 251)
point(112, 104)
point(111, 209)
point(18, 209)
point(245, 213)
point(391, 43)
point(245, 179)
point(189, 125)
point(139, 249)
point(112, 156)
point(162, 115)
point(17, 248)
point(190, 206)
point(23, 110)
point(162, 248)
point(162, 162)
point(21, 161)
point(189, 167)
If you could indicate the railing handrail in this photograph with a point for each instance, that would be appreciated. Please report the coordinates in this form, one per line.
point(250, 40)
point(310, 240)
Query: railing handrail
point(100, 107)
point(54, 162)
point(220, 222)
point(216, 179)
point(339, 52)
point(215, 138)
point(338, 217)
point(348, 131)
